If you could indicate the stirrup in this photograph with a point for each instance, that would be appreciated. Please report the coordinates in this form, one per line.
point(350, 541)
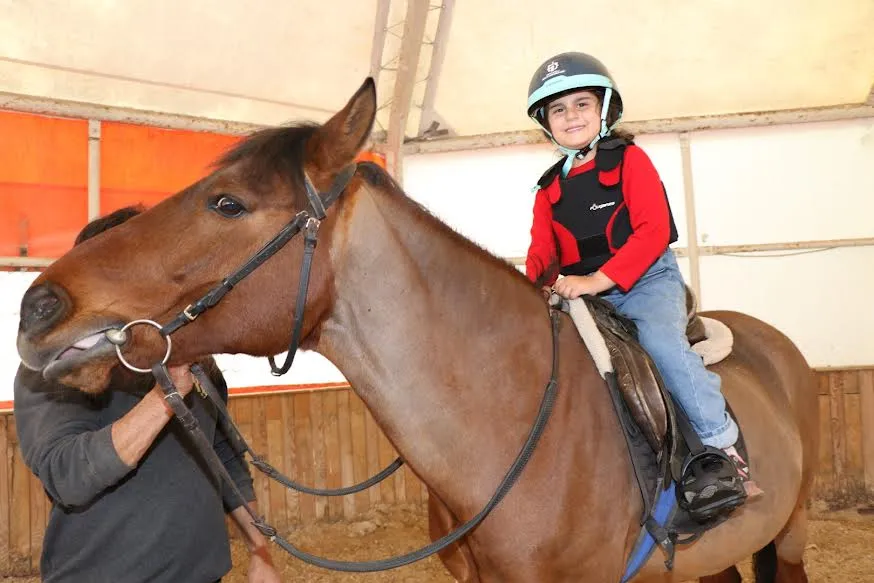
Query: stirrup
point(710, 485)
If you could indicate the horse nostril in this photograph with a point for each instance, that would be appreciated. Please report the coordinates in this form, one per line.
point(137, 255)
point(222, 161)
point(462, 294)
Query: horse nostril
point(40, 307)
point(44, 307)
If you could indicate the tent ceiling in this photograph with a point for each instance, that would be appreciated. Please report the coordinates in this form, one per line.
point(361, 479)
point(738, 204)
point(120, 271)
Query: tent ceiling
point(269, 62)
point(671, 58)
point(256, 62)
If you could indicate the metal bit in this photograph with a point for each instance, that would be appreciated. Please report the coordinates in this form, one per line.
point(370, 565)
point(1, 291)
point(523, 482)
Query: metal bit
point(117, 337)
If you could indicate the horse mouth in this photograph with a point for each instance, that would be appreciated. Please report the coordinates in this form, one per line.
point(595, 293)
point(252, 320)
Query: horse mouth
point(84, 350)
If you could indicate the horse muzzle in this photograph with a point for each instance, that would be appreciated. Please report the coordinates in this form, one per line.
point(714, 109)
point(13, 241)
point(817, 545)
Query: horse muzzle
point(57, 359)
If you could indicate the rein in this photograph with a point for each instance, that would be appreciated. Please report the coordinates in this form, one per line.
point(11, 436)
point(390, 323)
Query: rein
point(308, 222)
point(186, 417)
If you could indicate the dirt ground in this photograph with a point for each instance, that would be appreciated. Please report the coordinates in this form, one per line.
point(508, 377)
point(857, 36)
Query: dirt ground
point(839, 550)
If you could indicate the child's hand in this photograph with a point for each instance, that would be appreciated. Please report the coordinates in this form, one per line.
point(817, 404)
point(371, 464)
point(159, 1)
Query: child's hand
point(574, 286)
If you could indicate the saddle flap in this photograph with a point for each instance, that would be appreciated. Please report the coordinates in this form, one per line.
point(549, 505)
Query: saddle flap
point(637, 377)
point(640, 391)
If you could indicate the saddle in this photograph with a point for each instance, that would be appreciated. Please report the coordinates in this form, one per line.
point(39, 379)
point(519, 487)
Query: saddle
point(661, 441)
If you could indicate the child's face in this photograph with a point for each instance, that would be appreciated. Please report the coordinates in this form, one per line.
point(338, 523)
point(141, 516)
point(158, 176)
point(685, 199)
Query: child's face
point(574, 119)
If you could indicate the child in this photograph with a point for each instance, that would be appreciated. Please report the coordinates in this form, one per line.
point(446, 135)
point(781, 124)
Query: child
point(603, 215)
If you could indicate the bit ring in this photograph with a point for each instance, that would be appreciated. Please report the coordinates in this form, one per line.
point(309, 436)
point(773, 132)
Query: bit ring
point(121, 356)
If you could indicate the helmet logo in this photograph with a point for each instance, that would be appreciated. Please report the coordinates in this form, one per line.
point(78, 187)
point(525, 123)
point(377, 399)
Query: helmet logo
point(552, 69)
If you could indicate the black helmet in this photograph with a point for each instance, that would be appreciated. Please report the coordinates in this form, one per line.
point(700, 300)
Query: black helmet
point(568, 72)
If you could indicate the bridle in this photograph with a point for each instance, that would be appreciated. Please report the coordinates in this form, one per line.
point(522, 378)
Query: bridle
point(307, 221)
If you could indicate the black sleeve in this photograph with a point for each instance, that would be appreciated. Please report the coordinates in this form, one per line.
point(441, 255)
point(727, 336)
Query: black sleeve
point(62, 440)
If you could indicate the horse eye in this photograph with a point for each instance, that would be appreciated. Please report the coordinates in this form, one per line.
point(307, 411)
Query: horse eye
point(227, 206)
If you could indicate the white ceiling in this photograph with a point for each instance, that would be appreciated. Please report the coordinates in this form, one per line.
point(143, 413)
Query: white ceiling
point(271, 61)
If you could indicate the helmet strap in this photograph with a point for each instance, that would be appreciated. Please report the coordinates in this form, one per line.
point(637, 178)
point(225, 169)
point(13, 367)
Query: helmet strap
point(603, 133)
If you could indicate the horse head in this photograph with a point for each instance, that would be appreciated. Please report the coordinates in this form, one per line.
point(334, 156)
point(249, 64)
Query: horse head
point(156, 264)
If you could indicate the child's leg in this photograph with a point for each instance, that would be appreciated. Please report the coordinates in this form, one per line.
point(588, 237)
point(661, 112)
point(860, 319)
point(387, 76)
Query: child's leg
point(657, 304)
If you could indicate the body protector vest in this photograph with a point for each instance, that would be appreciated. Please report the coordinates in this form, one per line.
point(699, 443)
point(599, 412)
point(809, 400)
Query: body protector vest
point(595, 213)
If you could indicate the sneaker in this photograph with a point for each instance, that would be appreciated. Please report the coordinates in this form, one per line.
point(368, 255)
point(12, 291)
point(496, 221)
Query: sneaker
point(743, 471)
point(710, 486)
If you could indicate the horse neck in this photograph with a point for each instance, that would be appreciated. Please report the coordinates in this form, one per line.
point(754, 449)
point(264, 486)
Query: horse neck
point(448, 347)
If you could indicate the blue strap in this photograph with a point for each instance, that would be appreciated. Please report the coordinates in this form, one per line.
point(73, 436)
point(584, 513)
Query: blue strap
point(646, 543)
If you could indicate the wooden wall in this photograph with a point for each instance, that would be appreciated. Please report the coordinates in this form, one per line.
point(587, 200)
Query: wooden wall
point(846, 415)
point(328, 439)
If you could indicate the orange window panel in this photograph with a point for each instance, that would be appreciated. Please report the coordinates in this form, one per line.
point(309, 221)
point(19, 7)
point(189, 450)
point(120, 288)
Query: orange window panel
point(43, 183)
point(144, 165)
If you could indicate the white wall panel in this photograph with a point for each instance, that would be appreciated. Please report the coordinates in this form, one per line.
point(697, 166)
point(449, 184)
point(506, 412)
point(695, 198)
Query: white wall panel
point(790, 183)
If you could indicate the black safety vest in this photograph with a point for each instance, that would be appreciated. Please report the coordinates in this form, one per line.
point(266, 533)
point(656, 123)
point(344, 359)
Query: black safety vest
point(586, 208)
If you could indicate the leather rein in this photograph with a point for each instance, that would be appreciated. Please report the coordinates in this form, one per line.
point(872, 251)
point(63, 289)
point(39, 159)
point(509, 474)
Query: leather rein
point(307, 221)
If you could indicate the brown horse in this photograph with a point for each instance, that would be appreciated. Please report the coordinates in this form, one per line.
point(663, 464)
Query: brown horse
point(449, 347)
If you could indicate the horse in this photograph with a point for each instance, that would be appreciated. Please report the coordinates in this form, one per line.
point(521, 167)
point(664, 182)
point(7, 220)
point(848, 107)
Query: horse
point(448, 346)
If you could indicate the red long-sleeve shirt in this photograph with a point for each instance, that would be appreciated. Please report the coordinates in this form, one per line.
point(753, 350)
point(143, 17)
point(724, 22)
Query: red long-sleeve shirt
point(648, 211)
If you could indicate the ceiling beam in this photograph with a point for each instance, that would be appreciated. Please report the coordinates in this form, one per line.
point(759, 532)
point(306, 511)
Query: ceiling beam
point(26, 261)
point(438, 53)
point(83, 110)
point(380, 28)
point(655, 126)
point(405, 80)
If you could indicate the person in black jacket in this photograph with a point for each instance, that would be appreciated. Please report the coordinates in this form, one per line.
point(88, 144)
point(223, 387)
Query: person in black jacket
point(131, 499)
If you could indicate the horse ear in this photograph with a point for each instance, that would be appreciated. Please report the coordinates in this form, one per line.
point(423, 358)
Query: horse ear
point(336, 143)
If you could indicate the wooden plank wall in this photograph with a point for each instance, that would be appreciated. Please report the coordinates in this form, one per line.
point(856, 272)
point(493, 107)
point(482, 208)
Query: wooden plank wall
point(328, 439)
point(846, 451)
point(24, 508)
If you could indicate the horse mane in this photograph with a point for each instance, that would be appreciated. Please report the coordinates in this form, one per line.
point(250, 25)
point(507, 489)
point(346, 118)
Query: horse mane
point(272, 153)
point(280, 152)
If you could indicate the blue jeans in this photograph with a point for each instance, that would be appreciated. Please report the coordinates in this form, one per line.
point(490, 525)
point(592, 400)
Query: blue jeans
point(657, 304)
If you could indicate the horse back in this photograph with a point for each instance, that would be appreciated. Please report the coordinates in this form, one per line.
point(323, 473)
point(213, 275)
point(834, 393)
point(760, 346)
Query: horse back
point(766, 364)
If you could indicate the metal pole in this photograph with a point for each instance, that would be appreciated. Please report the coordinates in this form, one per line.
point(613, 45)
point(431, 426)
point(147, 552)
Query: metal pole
point(691, 219)
point(93, 169)
point(438, 54)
